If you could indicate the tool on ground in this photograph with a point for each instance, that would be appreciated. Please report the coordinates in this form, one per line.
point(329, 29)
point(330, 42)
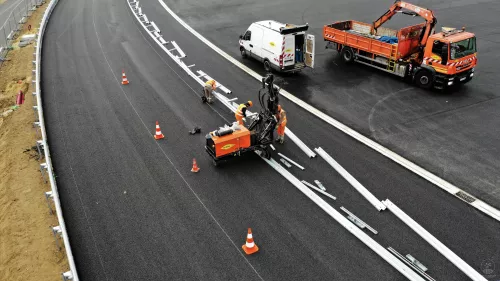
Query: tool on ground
point(250, 247)
point(318, 190)
point(291, 161)
point(124, 78)
point(158, 134)
point(320, 185)
point(235, 140)
point(195, 168)
point(195, 130)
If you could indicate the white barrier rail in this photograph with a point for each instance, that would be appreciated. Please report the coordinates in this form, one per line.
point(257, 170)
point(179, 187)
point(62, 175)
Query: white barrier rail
point(61, 229)
point(349, 178)
point(445, 251)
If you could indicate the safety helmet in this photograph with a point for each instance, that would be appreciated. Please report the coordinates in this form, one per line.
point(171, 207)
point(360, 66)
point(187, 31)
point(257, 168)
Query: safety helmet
point(250, 103)
point(279, 107)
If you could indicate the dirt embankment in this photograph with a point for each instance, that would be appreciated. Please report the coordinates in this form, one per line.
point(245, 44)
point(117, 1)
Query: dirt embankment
point(27, 247)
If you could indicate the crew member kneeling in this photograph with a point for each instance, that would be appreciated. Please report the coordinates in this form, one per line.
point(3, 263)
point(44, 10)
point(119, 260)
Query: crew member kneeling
point(241, 112)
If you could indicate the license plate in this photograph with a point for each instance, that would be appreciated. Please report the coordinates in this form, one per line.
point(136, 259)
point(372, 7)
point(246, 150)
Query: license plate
point(463, 78)
point(289, 60)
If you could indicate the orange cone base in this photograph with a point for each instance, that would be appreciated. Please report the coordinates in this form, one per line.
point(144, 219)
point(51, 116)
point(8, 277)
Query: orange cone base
point(195, 170)
point(159, 137)
point(250, 251)
point(125, 82)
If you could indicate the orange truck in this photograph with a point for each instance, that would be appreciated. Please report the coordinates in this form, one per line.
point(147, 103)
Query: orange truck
point(416, 52)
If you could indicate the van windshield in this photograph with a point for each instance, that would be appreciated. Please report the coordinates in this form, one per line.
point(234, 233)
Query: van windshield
point(463, 48)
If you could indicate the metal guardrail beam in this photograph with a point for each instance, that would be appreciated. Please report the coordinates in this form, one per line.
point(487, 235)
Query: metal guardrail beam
point(61, 229)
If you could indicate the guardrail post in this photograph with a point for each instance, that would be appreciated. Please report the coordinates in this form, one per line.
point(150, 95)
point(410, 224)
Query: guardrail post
point(40, 148)
point(48, 195)
point(43, 169)
point(68, 275)
point(35, 109)
point(56, 231)
point(35, 126)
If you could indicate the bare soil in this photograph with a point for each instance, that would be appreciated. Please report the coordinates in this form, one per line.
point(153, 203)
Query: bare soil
point(27, 247)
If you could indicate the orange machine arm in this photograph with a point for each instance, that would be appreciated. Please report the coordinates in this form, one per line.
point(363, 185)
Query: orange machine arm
point(428, 15)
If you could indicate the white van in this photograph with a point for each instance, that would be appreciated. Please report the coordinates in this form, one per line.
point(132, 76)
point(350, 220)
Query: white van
point(279, 46)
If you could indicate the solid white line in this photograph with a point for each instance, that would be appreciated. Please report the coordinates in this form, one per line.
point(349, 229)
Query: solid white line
point(443, 184)
point(450, 255)
point(347, 224)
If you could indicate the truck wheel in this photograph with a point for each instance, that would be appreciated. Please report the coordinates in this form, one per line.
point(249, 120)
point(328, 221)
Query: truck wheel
point(267, 66)
point(347, 55)
point(424, 79)
point(243, 53)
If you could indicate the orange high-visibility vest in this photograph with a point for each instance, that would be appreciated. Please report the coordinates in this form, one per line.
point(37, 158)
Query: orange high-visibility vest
point(282, 116)
point(212, 83)
point(239, 111)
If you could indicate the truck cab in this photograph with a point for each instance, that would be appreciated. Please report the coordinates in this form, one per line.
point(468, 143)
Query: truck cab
point(449, 57)
point(279, 46)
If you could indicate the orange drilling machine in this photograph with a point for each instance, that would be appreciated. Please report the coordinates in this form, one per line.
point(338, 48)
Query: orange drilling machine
point(235, 140)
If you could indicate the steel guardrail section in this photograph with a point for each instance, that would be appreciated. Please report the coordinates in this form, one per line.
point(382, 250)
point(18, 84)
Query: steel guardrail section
point(434, 242)
point(72, 274)
point(353, 229)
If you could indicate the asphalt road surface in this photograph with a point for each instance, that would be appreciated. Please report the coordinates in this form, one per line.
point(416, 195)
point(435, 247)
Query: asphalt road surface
point(134, 210)
point(455, 135)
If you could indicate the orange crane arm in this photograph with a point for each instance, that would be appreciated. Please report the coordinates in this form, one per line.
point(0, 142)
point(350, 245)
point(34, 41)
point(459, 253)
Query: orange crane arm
point(428, 15)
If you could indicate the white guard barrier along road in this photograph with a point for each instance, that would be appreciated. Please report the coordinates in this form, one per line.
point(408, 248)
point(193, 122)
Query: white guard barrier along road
point(72, 273)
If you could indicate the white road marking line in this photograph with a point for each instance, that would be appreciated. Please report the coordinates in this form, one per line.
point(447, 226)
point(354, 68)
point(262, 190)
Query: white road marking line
point(443, 184)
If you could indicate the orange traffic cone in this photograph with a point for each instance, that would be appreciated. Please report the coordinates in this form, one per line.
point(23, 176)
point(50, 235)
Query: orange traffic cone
point(250, 247)
point(124, 78)
point(158, 135)
point(195, 168)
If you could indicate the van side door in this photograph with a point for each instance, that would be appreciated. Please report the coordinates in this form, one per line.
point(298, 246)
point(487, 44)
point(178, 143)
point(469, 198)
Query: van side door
point(256, 43)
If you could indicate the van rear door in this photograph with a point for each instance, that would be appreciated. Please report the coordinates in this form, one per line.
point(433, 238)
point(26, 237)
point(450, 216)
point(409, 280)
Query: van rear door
point(289, 51)
point(310, 49)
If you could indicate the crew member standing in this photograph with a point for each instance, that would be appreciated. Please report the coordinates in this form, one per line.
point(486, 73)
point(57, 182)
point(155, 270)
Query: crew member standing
point(281, 124)
point(210, 86)
point(241, 112)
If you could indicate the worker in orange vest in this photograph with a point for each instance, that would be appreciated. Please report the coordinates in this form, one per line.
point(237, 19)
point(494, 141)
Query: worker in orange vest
point(281, 124)
point(210, 86)
point(241, 112)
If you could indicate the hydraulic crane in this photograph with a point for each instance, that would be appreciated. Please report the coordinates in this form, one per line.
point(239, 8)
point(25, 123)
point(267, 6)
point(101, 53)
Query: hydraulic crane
point(411, 10)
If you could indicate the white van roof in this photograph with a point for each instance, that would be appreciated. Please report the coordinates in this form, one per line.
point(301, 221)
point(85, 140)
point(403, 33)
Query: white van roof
point(283, 28)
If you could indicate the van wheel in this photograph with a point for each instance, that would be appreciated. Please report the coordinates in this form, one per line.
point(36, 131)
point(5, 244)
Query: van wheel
point(243, 53)
point(267, 66)
point(424, 79)
point(347, 55)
